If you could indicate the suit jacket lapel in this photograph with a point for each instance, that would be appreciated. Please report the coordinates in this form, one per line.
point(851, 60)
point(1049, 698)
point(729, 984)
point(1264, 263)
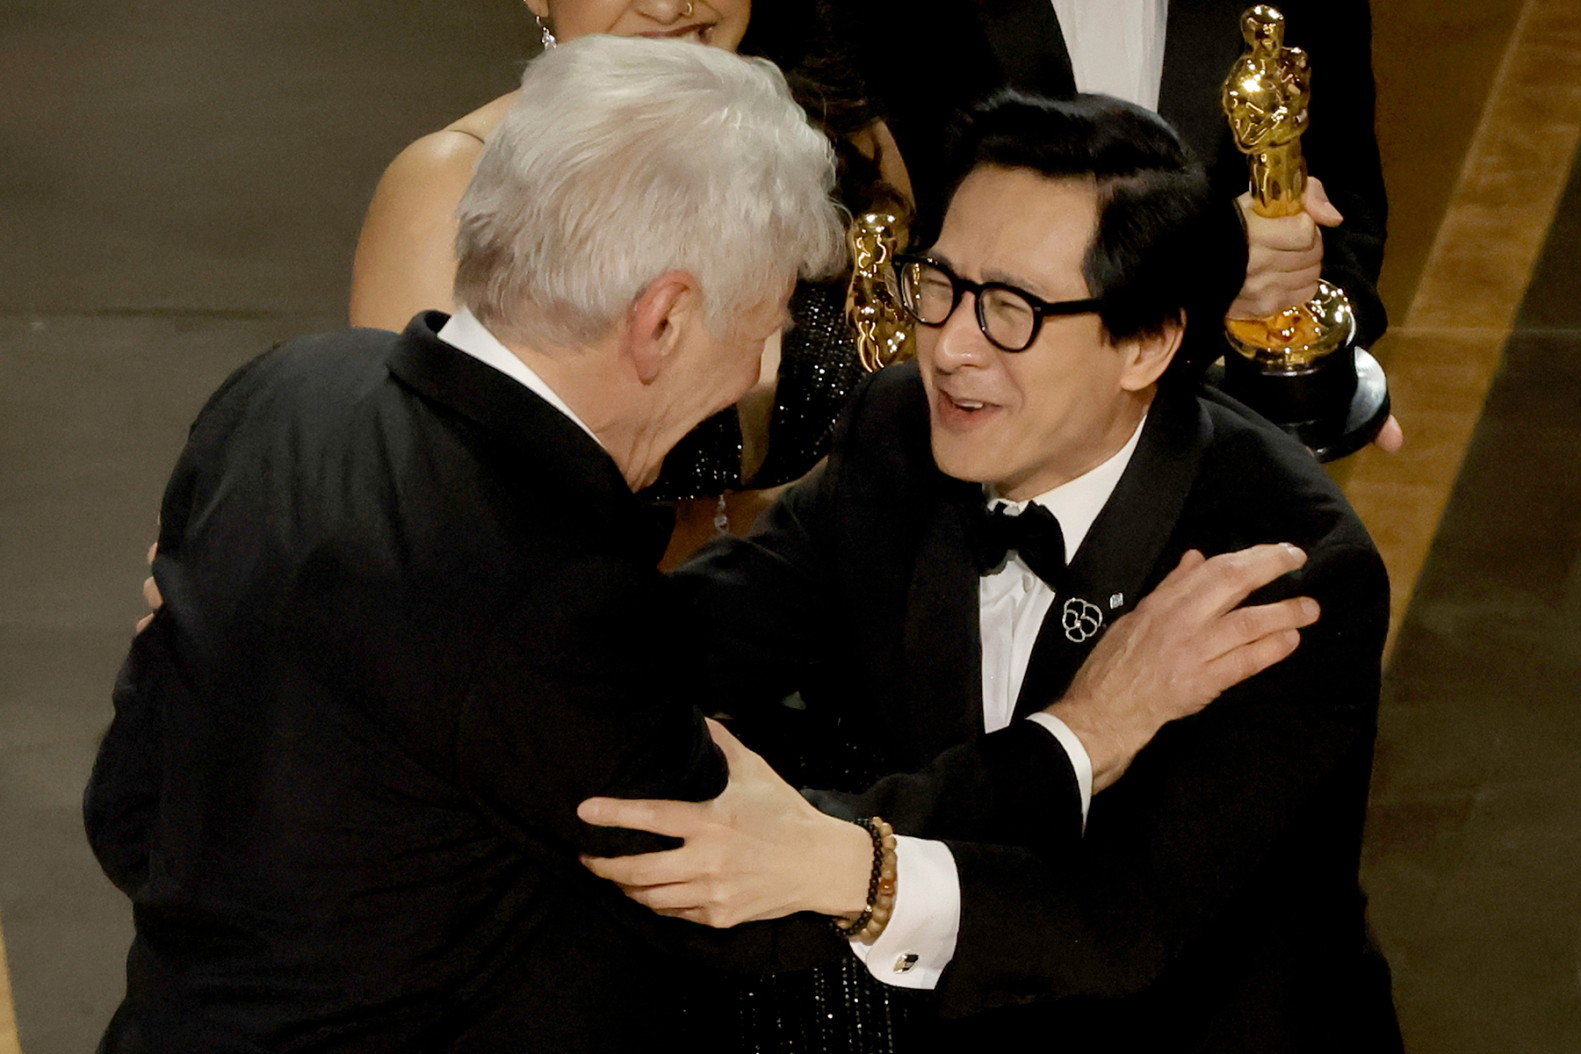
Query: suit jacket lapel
point(943, 642)
point(1119, 559)
point(1202, 40)
point(1028, 45)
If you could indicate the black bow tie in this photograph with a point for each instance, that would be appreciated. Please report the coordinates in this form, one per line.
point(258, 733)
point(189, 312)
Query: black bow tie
point(1035, 534)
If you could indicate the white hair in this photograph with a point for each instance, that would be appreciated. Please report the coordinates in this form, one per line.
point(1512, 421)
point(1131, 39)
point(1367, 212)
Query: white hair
point(626, 158)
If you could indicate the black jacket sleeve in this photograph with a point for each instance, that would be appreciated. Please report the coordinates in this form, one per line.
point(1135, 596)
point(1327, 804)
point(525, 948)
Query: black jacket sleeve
point(1341, 149)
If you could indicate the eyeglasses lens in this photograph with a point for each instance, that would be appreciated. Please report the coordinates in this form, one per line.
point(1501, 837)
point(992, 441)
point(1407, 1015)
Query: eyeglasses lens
point(1007, 318)
point(929, 294)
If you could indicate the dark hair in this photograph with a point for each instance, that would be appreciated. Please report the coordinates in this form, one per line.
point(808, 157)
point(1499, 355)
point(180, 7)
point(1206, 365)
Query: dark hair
point(1163, 249)
point(804, 38)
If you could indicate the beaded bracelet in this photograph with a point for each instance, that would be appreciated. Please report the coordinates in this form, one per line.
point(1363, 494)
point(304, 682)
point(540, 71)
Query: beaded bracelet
point(880, 885)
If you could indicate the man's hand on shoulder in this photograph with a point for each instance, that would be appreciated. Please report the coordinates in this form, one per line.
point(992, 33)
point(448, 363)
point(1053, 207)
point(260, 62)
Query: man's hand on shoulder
point(1187, 642)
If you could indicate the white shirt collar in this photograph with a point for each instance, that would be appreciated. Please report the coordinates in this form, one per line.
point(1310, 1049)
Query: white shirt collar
point(465, 333)
point(1076, 503)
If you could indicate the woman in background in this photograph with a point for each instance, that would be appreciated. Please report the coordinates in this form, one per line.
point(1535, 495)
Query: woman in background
point(723, 473)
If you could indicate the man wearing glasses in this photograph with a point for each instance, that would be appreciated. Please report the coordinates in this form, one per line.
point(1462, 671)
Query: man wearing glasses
point(984, 517)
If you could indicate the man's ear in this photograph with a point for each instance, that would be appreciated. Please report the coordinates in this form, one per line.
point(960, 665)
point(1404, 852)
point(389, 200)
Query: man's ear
point(538, 7)
point(1147, 356)
point(655, 320)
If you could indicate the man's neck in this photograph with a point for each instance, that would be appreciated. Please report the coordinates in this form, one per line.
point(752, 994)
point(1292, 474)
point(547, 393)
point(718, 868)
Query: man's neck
point(579, 382)
point(606, 398)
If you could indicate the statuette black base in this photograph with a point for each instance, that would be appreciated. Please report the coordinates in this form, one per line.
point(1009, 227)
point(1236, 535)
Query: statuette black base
point(1335, 408)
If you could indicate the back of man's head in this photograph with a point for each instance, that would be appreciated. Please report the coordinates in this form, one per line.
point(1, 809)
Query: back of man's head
point(626, 158)
point(1162, 248)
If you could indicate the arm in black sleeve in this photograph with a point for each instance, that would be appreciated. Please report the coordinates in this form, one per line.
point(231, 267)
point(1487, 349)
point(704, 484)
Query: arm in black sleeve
point(121, 803)
point(575, 699)
point(1015, 786)
point(1341, 149)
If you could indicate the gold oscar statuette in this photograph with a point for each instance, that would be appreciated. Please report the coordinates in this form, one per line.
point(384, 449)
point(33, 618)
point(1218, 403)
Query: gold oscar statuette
point(1300, 368)
point(883, 331)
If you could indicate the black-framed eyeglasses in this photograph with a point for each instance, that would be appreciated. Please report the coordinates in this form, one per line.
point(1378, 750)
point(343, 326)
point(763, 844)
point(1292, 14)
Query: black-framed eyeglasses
point(1010, 318)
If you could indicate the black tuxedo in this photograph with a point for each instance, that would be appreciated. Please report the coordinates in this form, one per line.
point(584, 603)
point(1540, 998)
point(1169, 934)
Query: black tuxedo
point(924, 62)
point(1212, 903)
point(411, 620)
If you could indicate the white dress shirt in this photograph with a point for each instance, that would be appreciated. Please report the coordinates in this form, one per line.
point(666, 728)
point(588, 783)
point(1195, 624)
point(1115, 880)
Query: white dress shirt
point(1116, 46)
point(919, 941)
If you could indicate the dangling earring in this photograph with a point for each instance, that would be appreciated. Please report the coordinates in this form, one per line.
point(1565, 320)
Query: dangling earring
point(545, 35)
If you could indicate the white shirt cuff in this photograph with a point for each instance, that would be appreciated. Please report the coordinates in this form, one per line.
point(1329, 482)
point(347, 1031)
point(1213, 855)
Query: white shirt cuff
point(1079, 759)
point(919, 941)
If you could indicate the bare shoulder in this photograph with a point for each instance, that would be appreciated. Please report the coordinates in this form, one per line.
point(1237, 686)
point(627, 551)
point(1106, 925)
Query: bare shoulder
point(405, 262)
point(451, 152)
point(480, 123)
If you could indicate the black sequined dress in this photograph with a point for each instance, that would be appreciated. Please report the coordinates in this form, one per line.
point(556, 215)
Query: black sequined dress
point(838, 1008)
point(835, 1009)
point(818, 371)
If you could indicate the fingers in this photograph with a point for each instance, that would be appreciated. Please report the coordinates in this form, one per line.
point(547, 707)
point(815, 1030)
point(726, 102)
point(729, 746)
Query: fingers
point(1181, 576)
point(1391, 438)
point(1284, 258)
point(153, 551)
point(1318, 205)
point(643, 869)
point(151, 595)
point(1249, 625)
point(1214, 586)
point(1229, 578)
point(143, 622)
point(669, 884)
point(1241, 663)
point(1287, 240)
point(1276, 280)
point(682, 900)
point(678, 819)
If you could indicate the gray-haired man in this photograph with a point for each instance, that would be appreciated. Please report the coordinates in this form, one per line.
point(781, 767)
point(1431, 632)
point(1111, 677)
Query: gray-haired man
point(411, 613)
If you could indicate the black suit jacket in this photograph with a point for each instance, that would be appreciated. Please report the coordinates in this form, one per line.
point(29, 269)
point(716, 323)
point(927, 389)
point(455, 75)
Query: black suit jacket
point(1212, 903)
point(411, 619)
point(926, 61)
